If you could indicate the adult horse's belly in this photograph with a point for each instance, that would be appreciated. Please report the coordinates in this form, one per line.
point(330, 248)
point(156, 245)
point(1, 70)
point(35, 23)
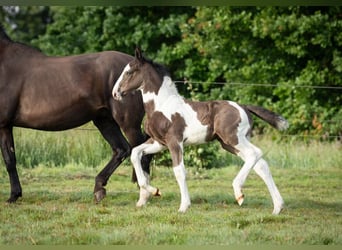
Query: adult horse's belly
point(52, 116)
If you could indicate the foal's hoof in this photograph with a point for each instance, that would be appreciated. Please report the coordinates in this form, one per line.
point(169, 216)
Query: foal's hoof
point(99, 195)
point(183, 208)
point(157, 193)
point(240, 199)
point(278, 209)
point(140, 204)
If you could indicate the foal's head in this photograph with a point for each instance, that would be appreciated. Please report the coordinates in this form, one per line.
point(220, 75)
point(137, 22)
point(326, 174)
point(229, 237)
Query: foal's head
point(140, 73)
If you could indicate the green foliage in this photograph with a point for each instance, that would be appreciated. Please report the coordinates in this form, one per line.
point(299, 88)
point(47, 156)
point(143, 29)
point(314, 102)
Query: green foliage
point(293, 48)
point(24, 23)
point(89, 28)
point(83, 147)
point(281, 58)
point(200, 157)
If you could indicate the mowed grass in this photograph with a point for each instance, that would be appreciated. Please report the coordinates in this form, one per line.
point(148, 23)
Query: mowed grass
point(57, 205)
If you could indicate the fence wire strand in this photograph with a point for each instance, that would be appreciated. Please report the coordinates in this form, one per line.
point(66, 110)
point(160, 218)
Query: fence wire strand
point(264, 85)
point(260, 85)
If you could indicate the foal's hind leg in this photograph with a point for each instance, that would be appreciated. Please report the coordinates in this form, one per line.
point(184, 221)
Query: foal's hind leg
point(250, 155)
point(262, 169)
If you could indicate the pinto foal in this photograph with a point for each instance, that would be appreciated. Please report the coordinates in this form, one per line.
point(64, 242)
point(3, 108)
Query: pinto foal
point(173, 121)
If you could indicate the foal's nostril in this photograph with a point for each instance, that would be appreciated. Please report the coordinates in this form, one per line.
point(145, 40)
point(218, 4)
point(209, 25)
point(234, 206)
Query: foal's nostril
point(117, 95)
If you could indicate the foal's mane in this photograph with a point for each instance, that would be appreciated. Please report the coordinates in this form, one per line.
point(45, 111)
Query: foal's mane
point(160, 68)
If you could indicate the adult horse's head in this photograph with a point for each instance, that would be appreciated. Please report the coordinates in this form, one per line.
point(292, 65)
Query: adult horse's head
point(140, 73)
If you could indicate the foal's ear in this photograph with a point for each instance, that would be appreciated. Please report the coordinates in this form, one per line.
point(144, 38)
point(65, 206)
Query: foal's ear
point(138, 54)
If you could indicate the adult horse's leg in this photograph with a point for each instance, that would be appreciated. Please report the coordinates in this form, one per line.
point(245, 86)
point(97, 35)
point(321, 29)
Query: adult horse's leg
point(8, 153)
point(129, 113)
point(121, 149)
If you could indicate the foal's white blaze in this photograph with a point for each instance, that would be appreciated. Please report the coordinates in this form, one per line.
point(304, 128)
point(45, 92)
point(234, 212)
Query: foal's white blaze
point(115, 91)
point(169, 102)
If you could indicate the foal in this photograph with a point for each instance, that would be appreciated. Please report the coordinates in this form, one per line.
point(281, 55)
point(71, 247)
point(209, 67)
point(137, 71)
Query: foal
point(173, 121)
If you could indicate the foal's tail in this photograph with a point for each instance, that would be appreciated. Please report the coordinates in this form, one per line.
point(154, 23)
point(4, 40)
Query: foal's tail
point(272, 118)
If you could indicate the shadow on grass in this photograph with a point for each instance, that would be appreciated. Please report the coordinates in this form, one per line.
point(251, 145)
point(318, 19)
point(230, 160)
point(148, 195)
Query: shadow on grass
point(81, 197)
point(313, 204)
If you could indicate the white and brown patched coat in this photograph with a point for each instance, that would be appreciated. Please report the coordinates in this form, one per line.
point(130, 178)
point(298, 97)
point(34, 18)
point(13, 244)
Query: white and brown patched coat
point(173, 122)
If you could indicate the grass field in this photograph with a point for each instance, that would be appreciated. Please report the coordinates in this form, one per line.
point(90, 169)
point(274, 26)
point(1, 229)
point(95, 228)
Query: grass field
point(57, 205)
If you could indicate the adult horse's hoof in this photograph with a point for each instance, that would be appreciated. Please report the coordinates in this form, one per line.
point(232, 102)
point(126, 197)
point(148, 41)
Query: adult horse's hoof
point(99, 195)
point(11, 200)
point(14, 197)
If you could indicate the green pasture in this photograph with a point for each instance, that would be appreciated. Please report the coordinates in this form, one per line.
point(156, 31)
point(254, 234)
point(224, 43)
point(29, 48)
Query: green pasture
point(57, 172)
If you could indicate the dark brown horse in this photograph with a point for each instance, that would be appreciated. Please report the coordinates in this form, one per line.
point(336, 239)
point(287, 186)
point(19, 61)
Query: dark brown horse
point(58, 93)
point(173, 122)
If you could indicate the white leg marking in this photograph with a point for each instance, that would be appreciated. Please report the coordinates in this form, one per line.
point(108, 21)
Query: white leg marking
point(247, 151)
point(262, 169)
point(143, 178)
point(250, 154)
point(180, 174)
point(143, 197)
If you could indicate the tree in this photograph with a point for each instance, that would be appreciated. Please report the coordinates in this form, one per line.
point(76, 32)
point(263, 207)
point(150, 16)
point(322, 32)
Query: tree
point(293, 48)
point(88, 29)
point(277, 57)
point(24, 23)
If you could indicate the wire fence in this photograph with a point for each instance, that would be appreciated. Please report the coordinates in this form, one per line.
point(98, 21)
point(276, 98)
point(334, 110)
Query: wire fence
point(309, 136)
point(261, 85)
point(302, 136)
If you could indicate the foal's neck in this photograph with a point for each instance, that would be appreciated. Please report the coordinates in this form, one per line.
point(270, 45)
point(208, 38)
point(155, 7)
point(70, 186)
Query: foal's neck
point(164, 91)
point(168, 88)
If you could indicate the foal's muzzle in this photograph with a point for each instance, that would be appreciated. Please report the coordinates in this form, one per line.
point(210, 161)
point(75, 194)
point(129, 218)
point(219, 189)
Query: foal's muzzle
point(118, 95)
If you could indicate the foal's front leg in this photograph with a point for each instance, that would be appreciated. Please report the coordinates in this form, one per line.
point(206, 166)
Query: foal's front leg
point(149, 147)
point(176, 150)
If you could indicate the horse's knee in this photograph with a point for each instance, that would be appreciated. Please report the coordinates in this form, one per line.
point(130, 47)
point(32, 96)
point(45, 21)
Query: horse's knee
point(252, 155)
point(179, 172)
point(9, 157)
point(262, 169)
point(136, 155)
point(122, 153)
point(261, 165)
